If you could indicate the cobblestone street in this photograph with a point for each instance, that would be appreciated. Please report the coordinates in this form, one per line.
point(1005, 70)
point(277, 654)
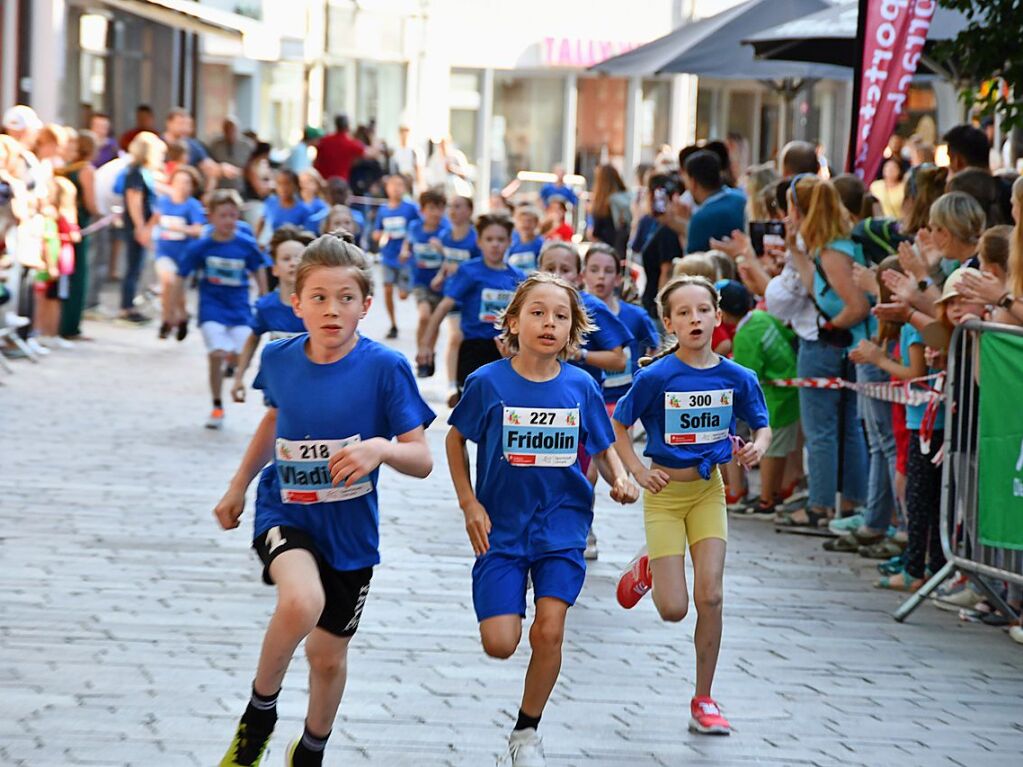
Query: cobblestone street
point(130, 623)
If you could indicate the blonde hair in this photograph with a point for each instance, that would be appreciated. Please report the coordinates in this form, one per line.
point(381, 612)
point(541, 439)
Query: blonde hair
point(825, 218)
point(696, 265)
point(960, 215)
point(759, 178)
point(664, 307)
point(336, 249)
point(65, 198)
point(1016, 244)
point(147, 150)
point(581, 322)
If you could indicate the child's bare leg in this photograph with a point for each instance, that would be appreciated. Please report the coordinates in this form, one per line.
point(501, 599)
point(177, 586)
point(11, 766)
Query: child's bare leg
point(734, 479)
point(389, 303)
point(708, 572)
point(501, 635)
point(545, 638)
point(670, 595)
point(454, 341)
point(423, 307)
point(771, 471)
point(180, 312)
point(217, 358)
point(167, 297)
point(300, 602)
point(328, 671)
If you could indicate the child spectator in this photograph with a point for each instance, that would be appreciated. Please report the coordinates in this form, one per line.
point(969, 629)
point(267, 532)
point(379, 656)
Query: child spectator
point(226, 259)
point(60, 234)
point(181, 220)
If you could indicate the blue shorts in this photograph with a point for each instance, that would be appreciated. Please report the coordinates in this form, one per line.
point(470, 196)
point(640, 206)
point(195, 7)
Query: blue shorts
point(499, 581)
point(400, 276)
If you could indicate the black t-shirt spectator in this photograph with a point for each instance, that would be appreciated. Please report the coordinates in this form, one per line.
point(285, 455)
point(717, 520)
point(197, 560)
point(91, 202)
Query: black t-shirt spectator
point(657, 245)
point(134, 178)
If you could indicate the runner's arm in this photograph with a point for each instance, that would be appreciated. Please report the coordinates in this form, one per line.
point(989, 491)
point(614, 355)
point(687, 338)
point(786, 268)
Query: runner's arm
point(244, 360)
point(611, 469)
point(259, 452)
point(613, 359)
point(477, 521)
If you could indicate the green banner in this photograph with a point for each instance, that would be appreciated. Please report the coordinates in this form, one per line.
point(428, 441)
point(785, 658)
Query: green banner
point(1000, 458)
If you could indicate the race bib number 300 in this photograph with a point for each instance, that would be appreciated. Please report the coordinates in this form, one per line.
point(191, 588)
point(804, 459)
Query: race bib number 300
point(697, 417)
point(304, 474)
point(493, 302)
point(535, 437)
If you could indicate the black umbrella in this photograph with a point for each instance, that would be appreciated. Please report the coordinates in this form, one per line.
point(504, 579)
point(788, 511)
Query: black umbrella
point(829, 37)
point(712, 47)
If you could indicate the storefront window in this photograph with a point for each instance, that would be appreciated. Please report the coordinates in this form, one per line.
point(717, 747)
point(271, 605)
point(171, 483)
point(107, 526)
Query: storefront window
point(283, 108)
point(464, 97)
point(527, 126)
point(335, 93)
point(600, 121)
point(655, 118)
point(381, 97)
point(706, 112)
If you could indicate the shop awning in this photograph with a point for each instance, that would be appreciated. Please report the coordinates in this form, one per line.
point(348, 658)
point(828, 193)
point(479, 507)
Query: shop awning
point(256, 39)
point(713, 47)
point(829, 37)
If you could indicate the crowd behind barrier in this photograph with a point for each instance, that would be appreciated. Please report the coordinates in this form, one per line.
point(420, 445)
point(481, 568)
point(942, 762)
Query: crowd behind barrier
point(842, 296)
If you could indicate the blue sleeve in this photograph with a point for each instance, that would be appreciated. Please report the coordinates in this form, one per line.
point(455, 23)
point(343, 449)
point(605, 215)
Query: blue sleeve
point(413, 213)
point(193, 256)
point(258, 321)
point(610, 332)
point(197, 151)
point(405, 407)
point(119, 181)
point(378, 223)
point(261, 381)
point(469, 415)
point(572, 197)
point(599, 434)
point(254, 260)
point(636, 400)
point(651, 338)
point(751, 406)
point(196, 213)
point(458, 285)
point(359, 219)
point(699, 234)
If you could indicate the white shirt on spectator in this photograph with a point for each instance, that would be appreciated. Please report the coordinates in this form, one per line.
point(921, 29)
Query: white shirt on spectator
point(787, 299)
point(105, 178)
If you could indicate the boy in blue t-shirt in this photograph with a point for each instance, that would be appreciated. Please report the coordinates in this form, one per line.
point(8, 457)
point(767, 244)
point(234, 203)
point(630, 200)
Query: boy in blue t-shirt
point(273, 313)
point(483, 286)
point(181, 222)
point(226, 261)
point(424, 250)
point(526, 240)
point(389, 233)
point(558, 188)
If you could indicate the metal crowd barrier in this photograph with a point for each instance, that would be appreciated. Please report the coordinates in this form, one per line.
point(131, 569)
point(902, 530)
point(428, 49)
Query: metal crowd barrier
point(982, 522)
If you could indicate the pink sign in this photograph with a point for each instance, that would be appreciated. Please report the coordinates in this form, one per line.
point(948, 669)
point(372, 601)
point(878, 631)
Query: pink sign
point(895, 33)
point(575, 52)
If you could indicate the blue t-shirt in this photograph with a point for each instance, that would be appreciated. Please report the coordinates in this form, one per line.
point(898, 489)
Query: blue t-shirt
point(527, 470)
point(317, 213)
point(458, 251)
point(644, 337)
point(380, 399)
point(689, 413)
point(173, 244)
point(240, 227)
point(483, 293)
point(273, 316)
point(277, 215)
point(224, 286)
point(558, 190)
point(720, 214)
point(610, 333)
point(426, 260)
point(828, 300)
point(524, 256)
point(915, 413)
point(394, 222)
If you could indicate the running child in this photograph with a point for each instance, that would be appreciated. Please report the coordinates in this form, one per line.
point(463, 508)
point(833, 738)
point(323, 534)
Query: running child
point(555, 224)
point(526, 240)
point(688, 400)
point(273, 313)
point(532, 505)
point(389, 233)
point(423, 248)
point(181, 220)
point(226, 260)
point(459, 243)
point(483, 286)
point(602, 278)
point(316, 524)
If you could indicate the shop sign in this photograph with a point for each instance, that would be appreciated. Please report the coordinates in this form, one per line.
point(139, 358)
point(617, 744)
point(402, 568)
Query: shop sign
point(581, 53)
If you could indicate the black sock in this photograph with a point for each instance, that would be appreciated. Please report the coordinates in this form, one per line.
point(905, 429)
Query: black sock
point(261, 711)
point(220, 403)
point(525, 721)
point(309, 752)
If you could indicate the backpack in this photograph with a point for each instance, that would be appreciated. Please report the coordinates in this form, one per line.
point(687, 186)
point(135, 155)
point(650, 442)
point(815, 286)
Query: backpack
point(878, 238)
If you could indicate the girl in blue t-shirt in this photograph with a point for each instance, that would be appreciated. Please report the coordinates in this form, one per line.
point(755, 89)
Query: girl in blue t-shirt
point(531, 506)
point(688, 400)
point(316, 522)
point(284, 207)
point(181, 219)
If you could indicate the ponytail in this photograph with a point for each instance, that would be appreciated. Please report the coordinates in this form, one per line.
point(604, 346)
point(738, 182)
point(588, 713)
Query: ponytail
point(664, 352)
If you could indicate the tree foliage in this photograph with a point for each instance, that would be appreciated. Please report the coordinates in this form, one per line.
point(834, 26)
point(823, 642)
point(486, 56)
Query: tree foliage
point(988, 48)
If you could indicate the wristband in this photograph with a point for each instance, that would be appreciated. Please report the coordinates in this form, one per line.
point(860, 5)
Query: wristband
point(583, 354)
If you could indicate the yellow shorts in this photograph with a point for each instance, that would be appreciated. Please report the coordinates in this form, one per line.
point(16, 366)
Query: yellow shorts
point(684, 510)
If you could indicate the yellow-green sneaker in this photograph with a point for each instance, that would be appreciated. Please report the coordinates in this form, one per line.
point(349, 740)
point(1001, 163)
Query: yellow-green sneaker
point(289, 755)
point(248, 747)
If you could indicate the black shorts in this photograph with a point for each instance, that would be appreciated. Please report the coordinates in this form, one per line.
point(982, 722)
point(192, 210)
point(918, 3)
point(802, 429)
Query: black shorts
point(474, 353)
point(345, 591)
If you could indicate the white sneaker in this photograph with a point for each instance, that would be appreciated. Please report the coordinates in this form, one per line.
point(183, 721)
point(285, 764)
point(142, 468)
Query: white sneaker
point(591, 546)
point(960, 596)
point(36, 347)
point(525, 749)
point(62, 343)
point(1016, 634)
point(12, 320)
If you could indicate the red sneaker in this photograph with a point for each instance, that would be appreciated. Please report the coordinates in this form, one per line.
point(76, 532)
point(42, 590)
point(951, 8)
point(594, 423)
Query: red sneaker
point(706, 719)
point(635, 582)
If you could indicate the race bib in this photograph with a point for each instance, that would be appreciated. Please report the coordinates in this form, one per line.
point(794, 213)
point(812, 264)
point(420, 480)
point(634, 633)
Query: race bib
point(277, 335)
point(524, 260)
point(620, 377)
point(225, 271)
point(305, 476)
point(394, 226)
point(426, 256)
point(170, 227)
point(697, 417)
point(457, 255)
point(493, 302)
point(540, 437)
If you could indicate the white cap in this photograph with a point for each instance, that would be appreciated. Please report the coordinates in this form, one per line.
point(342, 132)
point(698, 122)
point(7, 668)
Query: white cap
point(21, 118)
